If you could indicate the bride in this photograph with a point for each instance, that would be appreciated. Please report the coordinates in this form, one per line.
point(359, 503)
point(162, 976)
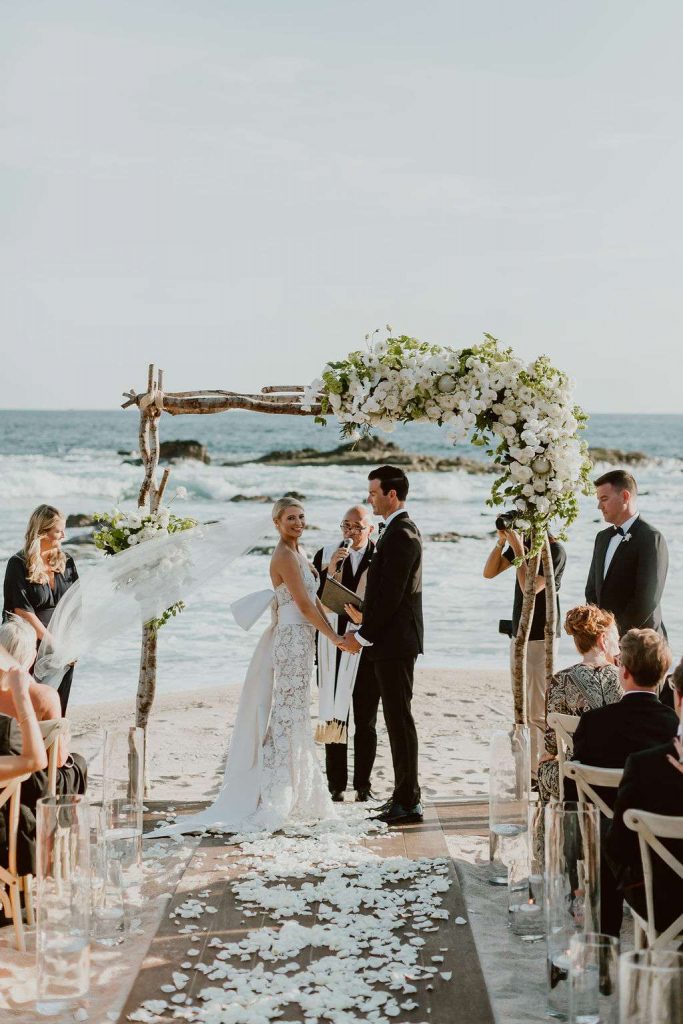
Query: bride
point(272, 775)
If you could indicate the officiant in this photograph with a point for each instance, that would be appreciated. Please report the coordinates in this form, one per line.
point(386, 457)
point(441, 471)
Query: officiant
point(347, 563)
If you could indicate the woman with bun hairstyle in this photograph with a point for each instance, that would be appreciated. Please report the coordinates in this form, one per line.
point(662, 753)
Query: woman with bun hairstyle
point(590, 683)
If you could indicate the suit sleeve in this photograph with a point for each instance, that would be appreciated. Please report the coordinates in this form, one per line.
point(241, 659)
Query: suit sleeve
point(318, 563)
point(591, 593)
point(399, 559)
point(621, 842)
point(648, 585)
point(583, 745)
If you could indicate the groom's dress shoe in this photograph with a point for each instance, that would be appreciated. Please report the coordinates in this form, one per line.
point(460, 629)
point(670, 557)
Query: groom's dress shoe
point(397, 814)
point(385, 806)
point(337, 796)
point(363, 795)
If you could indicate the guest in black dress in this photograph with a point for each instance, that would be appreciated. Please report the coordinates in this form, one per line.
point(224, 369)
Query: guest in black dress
point(37, 578)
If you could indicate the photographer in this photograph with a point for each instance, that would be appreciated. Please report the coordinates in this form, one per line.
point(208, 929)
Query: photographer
point(508, 547)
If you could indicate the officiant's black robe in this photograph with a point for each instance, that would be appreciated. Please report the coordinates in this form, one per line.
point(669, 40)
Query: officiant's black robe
point(365, 695)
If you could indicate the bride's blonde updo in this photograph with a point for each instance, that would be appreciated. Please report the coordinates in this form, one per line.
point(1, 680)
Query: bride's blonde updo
point(41, 522)
point(283, 503)
point(586, 623)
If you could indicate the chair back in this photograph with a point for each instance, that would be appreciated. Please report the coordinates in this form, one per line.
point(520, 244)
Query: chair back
point(587, 777)
point(52, 729)
point(651, 828)
point(9, 881)
point(565, 727)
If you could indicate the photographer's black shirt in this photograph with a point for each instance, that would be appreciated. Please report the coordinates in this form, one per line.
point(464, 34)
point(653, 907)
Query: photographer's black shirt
point(559, 557)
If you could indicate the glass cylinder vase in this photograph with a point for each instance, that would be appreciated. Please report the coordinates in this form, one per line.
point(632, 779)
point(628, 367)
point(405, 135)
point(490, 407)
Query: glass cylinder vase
point(62, 904)
point(509, 791)
point(572, 890)
point(651, 987)
point(122, 793)
point(593, 979)
point(107, 915)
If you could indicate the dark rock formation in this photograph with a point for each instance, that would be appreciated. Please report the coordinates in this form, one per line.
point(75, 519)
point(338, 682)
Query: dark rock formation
point(263, 499)
point(169, 451)
point(79, 539)
point(372, 451)
point(617, 457)
point(79, 519)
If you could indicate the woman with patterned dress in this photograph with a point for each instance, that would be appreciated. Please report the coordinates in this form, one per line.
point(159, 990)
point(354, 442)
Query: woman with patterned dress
point(272, 775)
point(591, 683)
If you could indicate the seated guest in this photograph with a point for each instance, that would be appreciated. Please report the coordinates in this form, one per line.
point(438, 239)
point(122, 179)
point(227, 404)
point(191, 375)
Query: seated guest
point(652, 781)
point(33, 756)
point(18, 639)
point(607, 736)
point(591, 683)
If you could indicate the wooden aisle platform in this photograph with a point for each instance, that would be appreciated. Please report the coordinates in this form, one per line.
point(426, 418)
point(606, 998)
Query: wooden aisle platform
point(461, 1000)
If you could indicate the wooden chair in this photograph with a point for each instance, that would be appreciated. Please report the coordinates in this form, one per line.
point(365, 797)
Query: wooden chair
point(587, 776)
point(10, 882)
point(565, 727)
point(52, 730)
point(651, 828)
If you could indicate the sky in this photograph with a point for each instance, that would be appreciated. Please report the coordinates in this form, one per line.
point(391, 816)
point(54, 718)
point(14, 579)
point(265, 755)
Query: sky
point(239, 191)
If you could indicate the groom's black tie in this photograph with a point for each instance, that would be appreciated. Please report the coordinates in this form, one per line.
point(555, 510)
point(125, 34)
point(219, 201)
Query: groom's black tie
point(619, 530)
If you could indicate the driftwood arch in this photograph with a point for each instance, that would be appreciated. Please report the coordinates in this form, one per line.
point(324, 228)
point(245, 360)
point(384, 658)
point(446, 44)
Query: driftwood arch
point(288, 400)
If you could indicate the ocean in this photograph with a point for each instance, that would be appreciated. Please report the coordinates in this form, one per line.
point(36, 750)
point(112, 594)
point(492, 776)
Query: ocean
point(72, 459)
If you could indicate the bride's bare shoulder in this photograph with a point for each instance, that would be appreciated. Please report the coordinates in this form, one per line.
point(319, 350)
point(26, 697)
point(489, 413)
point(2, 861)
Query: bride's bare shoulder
point(281, 563)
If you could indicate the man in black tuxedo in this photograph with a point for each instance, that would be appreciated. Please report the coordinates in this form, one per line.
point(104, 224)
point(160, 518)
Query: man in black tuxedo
point(652, 781)
point(349, 565)
point(630, 558)
point(392, 633)
point(607, 736)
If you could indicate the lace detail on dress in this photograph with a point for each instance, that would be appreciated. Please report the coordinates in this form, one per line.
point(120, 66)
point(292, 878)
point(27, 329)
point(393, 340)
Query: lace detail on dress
point(292, 786)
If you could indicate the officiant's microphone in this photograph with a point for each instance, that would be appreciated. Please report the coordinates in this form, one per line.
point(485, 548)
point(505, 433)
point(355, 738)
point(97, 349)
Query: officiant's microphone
point(345, 545)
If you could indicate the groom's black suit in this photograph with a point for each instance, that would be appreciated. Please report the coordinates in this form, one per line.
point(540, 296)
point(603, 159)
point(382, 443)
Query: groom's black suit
point(392, 624)
point(633, 585)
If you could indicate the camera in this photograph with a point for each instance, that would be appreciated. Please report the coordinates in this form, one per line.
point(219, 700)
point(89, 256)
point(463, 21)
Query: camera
point(506, 520)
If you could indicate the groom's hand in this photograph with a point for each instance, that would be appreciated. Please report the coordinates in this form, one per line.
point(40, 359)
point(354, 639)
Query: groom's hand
point(350, 644)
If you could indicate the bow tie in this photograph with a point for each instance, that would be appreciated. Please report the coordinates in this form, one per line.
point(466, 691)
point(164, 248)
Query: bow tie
point(619, 530)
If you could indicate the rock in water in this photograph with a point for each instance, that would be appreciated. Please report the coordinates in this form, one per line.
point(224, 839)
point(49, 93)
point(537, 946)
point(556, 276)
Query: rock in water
point(79, 519)
point(262, 499)
point(616, 457)
point(171, 450)
point(372, 451)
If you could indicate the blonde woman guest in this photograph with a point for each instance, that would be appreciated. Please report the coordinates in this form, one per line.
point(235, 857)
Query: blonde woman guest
point(590, 683)
point(37, 578)
point(33, 756)
point(19, 640)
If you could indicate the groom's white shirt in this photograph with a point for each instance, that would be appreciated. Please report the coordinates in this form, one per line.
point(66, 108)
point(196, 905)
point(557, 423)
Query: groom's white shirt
point(399, 511)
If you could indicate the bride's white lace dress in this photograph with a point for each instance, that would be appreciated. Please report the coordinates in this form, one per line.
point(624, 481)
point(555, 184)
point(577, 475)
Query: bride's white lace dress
point(272, 776)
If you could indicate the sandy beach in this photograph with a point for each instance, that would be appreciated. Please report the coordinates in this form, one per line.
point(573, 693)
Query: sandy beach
point(455, 711)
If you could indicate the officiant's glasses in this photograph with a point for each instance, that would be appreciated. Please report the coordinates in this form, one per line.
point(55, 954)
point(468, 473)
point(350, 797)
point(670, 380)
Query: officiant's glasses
point(352, 527)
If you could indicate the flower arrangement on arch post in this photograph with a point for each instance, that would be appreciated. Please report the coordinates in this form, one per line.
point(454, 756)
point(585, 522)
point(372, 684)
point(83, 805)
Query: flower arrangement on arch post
point(523, 414)
point(122, 530)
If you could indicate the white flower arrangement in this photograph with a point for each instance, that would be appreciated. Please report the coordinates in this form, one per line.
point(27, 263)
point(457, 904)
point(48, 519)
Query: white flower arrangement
point(523, 414)
point(120, 530)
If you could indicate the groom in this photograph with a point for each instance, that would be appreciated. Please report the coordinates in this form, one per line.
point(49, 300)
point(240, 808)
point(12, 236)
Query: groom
point(392, 632)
